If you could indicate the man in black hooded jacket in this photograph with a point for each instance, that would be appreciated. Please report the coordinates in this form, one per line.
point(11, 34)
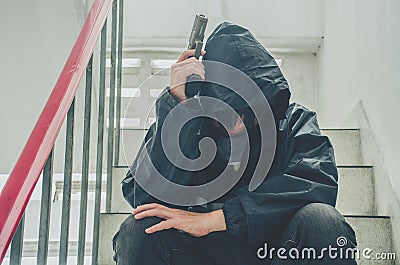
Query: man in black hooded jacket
point(288, 219)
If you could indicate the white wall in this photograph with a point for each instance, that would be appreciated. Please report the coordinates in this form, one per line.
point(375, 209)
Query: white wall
point(148, 20)
point(301, 72)
point(36, 38)
point(291, 30)
point(360, 87)
point(360, 61)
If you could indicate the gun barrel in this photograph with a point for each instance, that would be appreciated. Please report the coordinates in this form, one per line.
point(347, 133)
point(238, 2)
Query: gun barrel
point(198, 29)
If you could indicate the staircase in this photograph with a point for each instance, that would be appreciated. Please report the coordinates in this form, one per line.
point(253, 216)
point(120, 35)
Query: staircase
point(355, 199)
point(144, 80)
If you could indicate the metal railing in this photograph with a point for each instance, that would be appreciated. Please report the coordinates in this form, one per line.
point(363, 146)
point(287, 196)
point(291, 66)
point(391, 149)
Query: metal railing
point(37, 156)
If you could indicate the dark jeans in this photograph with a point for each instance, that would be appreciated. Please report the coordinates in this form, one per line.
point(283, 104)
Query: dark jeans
point(314, 227)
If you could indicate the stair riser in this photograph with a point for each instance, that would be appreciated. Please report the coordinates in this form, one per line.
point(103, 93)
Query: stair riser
point(132, 78)
point(347, 146)
point(356, 192)
point(373, 233)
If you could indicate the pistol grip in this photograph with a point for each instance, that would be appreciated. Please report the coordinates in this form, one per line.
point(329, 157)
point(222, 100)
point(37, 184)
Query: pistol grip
point(193, 84)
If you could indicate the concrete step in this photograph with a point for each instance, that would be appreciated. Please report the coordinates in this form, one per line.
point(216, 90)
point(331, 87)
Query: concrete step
point(371, 232)
point(109, 225)
point(152, 70)
point(138, 102)
point(140, 108)
point(72, 260)
point(375, 234)
point(118, 202)
point(355, 197)
point(356, 194)
point(30, 249)
point(346, 144)
point(32, 213)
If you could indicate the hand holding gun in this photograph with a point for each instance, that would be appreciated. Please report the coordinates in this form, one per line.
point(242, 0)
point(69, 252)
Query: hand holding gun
point(188, 72)
point(196, 38)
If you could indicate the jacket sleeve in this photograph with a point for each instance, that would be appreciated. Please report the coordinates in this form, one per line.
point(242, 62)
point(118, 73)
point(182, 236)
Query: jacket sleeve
point(235, 218)
point(132, 192)
point(310, 175)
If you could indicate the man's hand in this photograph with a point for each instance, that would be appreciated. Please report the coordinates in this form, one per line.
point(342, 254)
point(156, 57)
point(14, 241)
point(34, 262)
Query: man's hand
point(184, 67)
point(195, 224)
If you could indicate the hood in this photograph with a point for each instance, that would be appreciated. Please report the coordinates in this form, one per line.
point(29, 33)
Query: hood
point(153, 171)
point(234, 45)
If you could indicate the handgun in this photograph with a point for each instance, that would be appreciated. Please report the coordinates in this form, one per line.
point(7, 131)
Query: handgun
point(196, 38)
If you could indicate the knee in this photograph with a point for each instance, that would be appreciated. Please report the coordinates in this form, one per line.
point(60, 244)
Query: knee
point(318, 213)
point(131, 243)
point(128, 223)
point(132, 230)
point(131, 226)
point(320, 218)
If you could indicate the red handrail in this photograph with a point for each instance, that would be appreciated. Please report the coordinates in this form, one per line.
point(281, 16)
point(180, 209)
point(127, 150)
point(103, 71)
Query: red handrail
point(23, 178)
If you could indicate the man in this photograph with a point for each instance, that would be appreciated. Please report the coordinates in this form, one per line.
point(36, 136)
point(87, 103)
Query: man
point(293, 207)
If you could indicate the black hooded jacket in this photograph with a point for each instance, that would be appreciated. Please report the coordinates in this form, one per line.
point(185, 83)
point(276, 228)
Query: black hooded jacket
point(303, 170)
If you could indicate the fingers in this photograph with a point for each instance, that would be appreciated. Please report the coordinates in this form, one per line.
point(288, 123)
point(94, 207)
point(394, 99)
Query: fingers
point(188, 53)
point(162, 213)
point(189, 62)
point(164, 225)
point(184, 69)
point(149, 206)
point(154, 209)
point(187, 71)
point(181, 70)
point(195, 224)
